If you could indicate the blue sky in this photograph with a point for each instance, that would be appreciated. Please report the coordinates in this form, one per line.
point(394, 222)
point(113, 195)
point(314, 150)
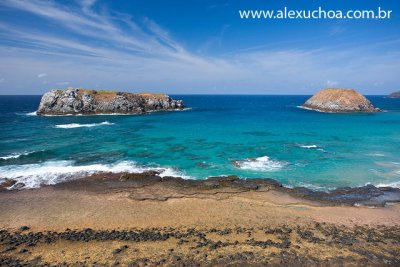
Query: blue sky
point(194, 47)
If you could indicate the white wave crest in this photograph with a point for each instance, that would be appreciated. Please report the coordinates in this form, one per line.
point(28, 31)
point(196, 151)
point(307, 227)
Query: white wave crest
point(33, 113)
point(314, 187)
point(77, 125)
point(394, 184)
point(259, 164)
point(109, 114)
point(376, 154)
point(16, 155)
point(308, 146)
point(53, 172)
point(182, 109)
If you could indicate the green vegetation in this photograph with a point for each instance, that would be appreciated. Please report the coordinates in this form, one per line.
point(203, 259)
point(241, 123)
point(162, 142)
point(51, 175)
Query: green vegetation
point(91, 91)
point(107, 92)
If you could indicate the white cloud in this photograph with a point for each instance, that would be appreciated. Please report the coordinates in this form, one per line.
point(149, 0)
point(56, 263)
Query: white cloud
point(121, 53)
point(41, 75)
point(379, 84)
point(336, 30)
point(63, 83)
point(86, 4)
point(330, 83)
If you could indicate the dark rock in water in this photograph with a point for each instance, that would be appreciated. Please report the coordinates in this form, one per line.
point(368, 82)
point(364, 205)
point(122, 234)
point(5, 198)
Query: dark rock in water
point(394, 95)
point(339, 101)
point(7, 183)
point(368, 195)
point(147, 175)
point(18, 186)
point(265, 182)
point(229, 178)
point(203, 164)
point(83, 101)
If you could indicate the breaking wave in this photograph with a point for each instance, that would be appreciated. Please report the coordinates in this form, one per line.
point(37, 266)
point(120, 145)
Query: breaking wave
point(376, 154)
point(308, 146)
point(77, 125)
point(259, 164)
point(16, 155)
point(394, 185)
point(53, 172)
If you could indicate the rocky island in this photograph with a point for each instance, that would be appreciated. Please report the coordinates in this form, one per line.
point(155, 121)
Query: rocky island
point(394, 95)
point(339, 101)
point(83, 101)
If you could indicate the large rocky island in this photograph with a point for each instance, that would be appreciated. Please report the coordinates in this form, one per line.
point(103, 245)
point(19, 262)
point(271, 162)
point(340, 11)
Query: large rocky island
point(82, 101)
point(394, 95)
point(339, 101)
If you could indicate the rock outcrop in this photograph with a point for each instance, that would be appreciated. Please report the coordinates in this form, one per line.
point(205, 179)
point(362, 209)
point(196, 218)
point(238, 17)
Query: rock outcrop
point(83, 101)
point(339, 101)
point(394, 95)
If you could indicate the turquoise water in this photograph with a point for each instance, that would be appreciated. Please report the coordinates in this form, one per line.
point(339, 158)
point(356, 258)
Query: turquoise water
point(249, 136)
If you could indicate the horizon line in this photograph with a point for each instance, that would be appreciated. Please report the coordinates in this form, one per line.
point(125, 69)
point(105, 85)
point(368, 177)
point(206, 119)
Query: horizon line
point(206, 94)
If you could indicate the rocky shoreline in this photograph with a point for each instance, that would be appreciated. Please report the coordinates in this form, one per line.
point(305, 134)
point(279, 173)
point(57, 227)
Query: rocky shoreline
point(284, 245)
point(78, 101)
point(394, 95)
point(367, 195)
point(142, 219)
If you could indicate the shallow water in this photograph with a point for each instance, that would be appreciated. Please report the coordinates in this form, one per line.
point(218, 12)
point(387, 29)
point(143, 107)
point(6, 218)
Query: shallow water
point(249, 136)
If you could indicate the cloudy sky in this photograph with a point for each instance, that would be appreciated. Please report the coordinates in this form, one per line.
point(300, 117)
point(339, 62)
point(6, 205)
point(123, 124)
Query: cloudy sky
point(194, 47)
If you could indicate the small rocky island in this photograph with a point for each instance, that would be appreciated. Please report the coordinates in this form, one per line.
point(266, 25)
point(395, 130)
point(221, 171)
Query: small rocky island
point(83, 101)
point(339, 101)
point(394, 95)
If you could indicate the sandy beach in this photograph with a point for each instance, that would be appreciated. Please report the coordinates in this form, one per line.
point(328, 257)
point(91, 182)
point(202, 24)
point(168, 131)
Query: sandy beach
point(143, 220)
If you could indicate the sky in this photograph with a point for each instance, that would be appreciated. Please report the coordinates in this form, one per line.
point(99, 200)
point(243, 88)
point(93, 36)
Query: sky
point(194, 47)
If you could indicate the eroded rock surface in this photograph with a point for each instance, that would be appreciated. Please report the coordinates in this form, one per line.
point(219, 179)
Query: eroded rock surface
point(339, 101)
point(83, 101)
point(394, 95)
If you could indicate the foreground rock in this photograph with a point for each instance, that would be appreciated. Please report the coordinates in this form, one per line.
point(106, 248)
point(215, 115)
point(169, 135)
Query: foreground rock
point(279, 245)
point(394, 95)
point(142, 186)
point(339, 101)
point(83, 101)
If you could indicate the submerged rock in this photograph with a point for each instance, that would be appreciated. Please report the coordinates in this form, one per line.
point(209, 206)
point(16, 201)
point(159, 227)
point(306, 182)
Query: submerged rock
point(367, 195)
point(394, 95)
point(7, 183)
point(82, 101)
point(339, 101)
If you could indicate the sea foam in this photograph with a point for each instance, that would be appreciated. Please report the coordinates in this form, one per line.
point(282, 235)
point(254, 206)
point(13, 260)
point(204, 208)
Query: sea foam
point(394, 184)
point(308, 146)
point(33, 113)
point(259, 164)
point(77, 125)
point(376, 154)
point(53, 172)
point(16, 155)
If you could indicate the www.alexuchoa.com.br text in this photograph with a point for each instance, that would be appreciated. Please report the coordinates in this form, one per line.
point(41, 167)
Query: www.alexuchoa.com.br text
point(319, 13)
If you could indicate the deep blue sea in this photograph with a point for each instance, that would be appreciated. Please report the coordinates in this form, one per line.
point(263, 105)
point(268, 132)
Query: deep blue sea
point(248, 136)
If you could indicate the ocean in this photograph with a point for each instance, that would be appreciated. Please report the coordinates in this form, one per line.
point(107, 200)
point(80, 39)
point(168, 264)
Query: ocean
point(249, 136)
